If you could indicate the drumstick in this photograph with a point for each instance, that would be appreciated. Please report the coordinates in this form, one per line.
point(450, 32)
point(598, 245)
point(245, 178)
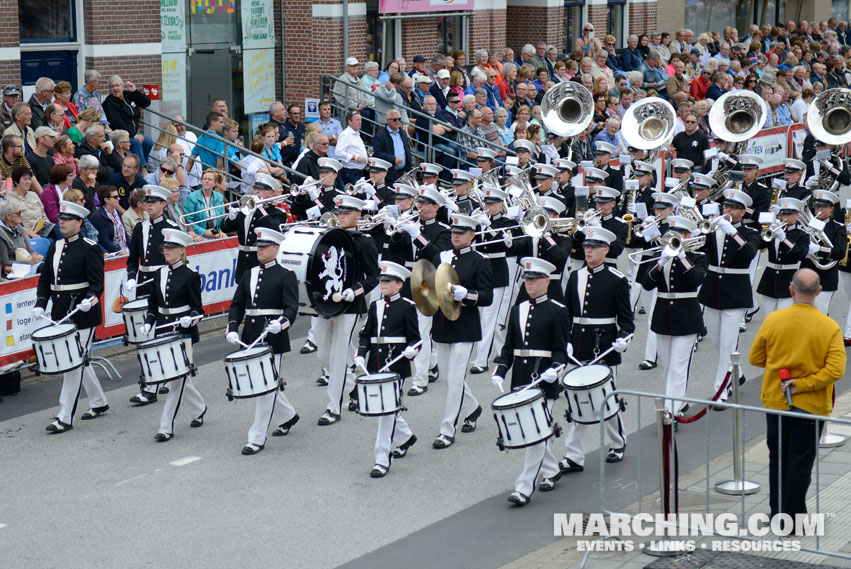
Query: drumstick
point(67, 316)
point(577, 362)
point(604, 354)
point(397, 358)
point(279, 320)
point(533, 384)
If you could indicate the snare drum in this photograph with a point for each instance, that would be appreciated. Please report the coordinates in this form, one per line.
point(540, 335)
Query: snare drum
point(522, 418)
point(586, 389)
point(323, 261)
point(134, 313)
point(379, 394)
point(57, 348)
point(251, 372)
point(163, 359)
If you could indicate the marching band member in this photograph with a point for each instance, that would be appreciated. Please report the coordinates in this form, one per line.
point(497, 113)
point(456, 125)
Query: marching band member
point(429, 237)
point(824, 202)
point(485, 158)
point(553, 248)
point(430, 173)
point(681, 169)
point(176, 299)
point(334, 334)
point(785, 252)
point(494, 315)
point(792, 174)
point(525, 151)
point(726, 291)
point(564, 185)
point(545, 176)
point(603, 157)
point(461, 180)
point(377, 169)
point(146, 258)
point(833, 169)
point(675, 318)
point(264, 294)
point(594, 177)
point(321, 198)
point(644, 194)
point(597, 300)
point(754, 187)
point(390, 330)
point(605, 202)
point(455, 338)
point(73, 277)
point(534, 344)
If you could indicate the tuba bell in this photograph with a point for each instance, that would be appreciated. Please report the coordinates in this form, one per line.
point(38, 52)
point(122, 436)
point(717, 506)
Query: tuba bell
point(829, 116)
point(567, 109)
point(649, 125)
point(737, 116)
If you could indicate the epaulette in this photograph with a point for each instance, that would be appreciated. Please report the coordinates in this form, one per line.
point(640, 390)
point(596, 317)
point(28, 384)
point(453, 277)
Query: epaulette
point(90, 242)
point(616, 272)
point(557, 303)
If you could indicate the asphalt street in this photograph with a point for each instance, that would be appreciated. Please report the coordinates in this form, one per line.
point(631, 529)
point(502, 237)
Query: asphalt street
point(107, 495)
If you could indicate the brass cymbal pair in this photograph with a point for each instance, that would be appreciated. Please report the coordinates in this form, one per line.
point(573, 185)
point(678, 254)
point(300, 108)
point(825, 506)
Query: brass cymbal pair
point(432, 289)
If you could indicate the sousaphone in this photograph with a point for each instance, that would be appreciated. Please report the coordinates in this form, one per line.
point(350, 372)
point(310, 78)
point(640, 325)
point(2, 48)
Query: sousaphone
point(649, 125)
point(829, 116)
point(737, 116)
point(567, 109)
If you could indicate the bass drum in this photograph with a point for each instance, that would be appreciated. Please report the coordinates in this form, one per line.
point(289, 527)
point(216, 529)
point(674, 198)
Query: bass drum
point(324, 263)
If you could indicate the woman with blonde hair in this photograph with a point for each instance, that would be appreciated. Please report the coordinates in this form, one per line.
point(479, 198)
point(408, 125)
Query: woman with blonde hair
point(456, 83)
point(167, 137)
point(77, 197)
point(63, 153)
point(206, 198)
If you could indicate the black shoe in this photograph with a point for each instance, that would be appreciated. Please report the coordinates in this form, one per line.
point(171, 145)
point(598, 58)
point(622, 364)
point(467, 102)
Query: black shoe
point(322, 380)
point(641, 310)
point(284, 428)
point(478, 369)
point(94, 412)
point(547, 484)
point(615, 454)
point(328, 418)
point(163, 437)
point(742, 379)
point(646, 364)
point(199, 420)
point(163, 389)
point(353, 404)
point(518, 498)
point(308, 348)
point(470, 422)
point(443, 441)
point(378, 471)
point(417, 390)
point(402, 450)
point(144, 398)
point(433, 374)
point(749, 316)
point(567, 466)
point(250, 449)
point(57, 427)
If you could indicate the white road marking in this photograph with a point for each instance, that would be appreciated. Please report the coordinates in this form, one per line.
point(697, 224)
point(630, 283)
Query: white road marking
point(131, 479)
point(185, 460)
point(2, 526)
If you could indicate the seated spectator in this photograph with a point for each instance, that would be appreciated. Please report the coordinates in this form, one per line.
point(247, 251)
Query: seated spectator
point(205, 198)
point(61, 177)
point(54, 117)
point(127, 180)
point(41, 158)
point(123, 107)
point(250, 166)
point(802, 105)
point(272, 150)
point(22, 117)
point(701, 84)
point(120, 140)
point(631, 58)
point(34, 220)
point(384, 76)
point(95, 145)
point(456, 83)
point(210, 150)
point(500, 119)
point(14, 244)
point(136, 212)
point(85, 119)
point(523, 116)
point(107, 220)
point(185, 138)
point(70, 115)
point(167, 137)
point(87, 181)
point(63, 152)
point(174, 210)
point(166, 169)
point(76, 196)
point(230, 133)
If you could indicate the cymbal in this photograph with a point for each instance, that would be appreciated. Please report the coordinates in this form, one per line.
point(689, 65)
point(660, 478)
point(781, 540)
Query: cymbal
point(422, 287)
point(444, 279)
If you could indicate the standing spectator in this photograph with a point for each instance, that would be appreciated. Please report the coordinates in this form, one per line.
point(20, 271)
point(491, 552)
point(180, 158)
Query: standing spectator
point(61, 177)
point(41, 158)
point(123, 110)
point(348, 90)
point(809, 345)
point(63, 152)
point(42, 97)
point(10, 98)
point(107, 220)
point(691, 143)
point(127, 180)
point(210, 149)
point(33, 217)
point(135, 213)
point(351, 151)
point(70, 114)
point(86, 181)
point(21, 118)
point(391, 144)
point(88, 97)
point(95, 145)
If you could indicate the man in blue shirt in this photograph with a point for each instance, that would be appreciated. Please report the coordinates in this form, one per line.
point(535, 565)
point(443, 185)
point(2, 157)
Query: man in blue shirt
point(209, 150)
point(494, 98)
point(127, 180)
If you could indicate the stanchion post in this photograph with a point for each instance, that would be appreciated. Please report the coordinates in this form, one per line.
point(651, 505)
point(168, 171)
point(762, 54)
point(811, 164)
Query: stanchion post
point(738, 485)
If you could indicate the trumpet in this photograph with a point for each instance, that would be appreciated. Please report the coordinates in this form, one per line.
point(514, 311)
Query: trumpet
point(673, 243)
point(651, 221)
point(370, 222)
point(247, 205)
point(358, 187)
point(770, 232)
point(394, 227)
point(586, 219)
point(327, 219)
point(693, 214)
point(817, 237)
point(301, 190)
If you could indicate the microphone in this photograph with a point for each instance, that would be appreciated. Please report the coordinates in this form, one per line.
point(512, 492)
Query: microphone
point(784, 376)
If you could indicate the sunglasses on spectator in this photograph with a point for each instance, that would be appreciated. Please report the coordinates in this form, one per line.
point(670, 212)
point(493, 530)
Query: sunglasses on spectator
point(454, 101)
point(166, 170)
point(691, 122)
point(113, 197)
point(394, 119)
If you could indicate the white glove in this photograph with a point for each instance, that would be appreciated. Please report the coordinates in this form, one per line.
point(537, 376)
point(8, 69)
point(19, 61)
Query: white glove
point(185, 321)
point(569, 349)
point(722, 156)
point(666, 257)
point(631, 208)
point(812, 182)
point(146, 329)
point(780, 235)
point(359, 362)
point(459, 292)
point(85, 304)
point(549, 375)
point(368, 189)
point(775, 209)
point(370, 205)
point(37, 313)
point(482, 219)
point(497, 381)
point(274, 327)
point(726, 227)
point(813, 248)
point(130, 285)
point(233, 211)
point(620, 345)
point(412, 229)
point(231, 337)
point(312, 193)
point(452, 206)
point(595, 222)
point(410, 352)
point(830, 167)
point(348, 295)
point(507, 238)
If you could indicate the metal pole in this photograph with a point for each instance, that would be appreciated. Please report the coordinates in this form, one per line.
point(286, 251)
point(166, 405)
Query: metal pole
point(662, 547)
point(738, 485)
point(345, 30)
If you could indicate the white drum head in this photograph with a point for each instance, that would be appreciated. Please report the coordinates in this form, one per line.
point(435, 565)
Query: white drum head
point(516, 398)
point(587, 376)
point(134, 305)
point(248, 353)
point(54, 331)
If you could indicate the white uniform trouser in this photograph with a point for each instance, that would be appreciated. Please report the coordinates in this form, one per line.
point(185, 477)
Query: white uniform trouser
point(311, 333)
point(489, 316)
point(539, 462)
point(846, 284)
point(460, 402)
point(723, 330)
point(632, 274)
point(675, 356)
point(334, 340)
point(424, 359)
point(769, 304)
point(82, 377)
point(648, 300)
point(391, 428)
point(180, 391)
point(823, 299)
point(752, 275)
point(265, 407)
point(575, 434)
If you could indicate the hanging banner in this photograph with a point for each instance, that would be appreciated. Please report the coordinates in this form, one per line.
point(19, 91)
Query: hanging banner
point(258, 71)
point(173, 25)
point(173, 89)
point(408, 6)
point(258, 28)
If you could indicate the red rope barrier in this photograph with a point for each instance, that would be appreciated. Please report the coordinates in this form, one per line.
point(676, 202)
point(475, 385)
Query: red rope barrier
point(703, 411)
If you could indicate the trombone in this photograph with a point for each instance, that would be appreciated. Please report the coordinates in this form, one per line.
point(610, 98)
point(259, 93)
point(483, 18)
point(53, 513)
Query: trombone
point(673, 243)
point(247, 204)
point(327, 219)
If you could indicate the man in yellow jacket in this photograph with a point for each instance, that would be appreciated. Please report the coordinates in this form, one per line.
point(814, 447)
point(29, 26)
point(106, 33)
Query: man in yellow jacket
point(809, 345)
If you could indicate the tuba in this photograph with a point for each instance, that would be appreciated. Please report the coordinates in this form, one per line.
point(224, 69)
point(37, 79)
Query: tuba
point(829, 116)
point(535, 218)
point(649, 125)
point(567, 110)
point(736, 117)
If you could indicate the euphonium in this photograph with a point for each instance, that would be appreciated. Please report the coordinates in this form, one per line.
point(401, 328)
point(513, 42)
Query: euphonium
point(844, 260)
point(816, 236)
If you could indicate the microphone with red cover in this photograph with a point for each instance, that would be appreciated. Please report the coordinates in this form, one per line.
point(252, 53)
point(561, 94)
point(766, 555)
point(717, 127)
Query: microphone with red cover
point(784, 376)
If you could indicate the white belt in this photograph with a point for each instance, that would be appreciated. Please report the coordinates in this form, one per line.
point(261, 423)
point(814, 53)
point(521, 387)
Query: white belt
point(264, 312)
point(175, 310)
point(496, 255)
point(555, 277)
point(777, 267)
point(248, 248)
point(728, 270)
point(594, 321)
point(150, 268)
point(676, 295)
point(410, 264)
point(69, 287)
point(388, 340)
point(533, 353)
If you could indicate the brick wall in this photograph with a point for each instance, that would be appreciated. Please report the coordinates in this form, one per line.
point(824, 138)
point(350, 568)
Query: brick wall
point(525, 24)
point(642, 18)
point(10, 36)
point(598, 16)
point(121, 21)
point(487, 30)
point(138, 69)
point(420, 37)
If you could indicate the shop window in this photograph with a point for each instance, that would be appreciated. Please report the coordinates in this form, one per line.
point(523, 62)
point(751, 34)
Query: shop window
point(450, 34)
point(615, 20)
point(572, 24)
point(47, 21)
point(702, 16)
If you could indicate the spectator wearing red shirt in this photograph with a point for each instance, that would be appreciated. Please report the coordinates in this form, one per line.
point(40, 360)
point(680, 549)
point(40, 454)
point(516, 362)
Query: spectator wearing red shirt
point(701, 83)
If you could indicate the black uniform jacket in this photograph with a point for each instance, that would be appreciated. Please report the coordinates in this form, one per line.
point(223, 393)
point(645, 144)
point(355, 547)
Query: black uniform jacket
point(474, 272)
point(325, 201)
point(614, 224)
point(146, 250)
point(796, 191)
point(535, 340)
point(554, 248)
point(784, 258)
point(265, 293)
point(598, 304)
point(835, 231)
point(176, 290)
point(727, 283)
point(366, 278)
point(244, 227)
point(73, 271)
point(391, 326)
point(761, 196)
point(497, 253)
point(677, 312)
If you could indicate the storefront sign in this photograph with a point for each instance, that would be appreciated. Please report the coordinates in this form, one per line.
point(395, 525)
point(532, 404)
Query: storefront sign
point(173, 92)
point(258, 68)
point(258, 29)
point(407, 6)
point(173, 25)
point(213, 6)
